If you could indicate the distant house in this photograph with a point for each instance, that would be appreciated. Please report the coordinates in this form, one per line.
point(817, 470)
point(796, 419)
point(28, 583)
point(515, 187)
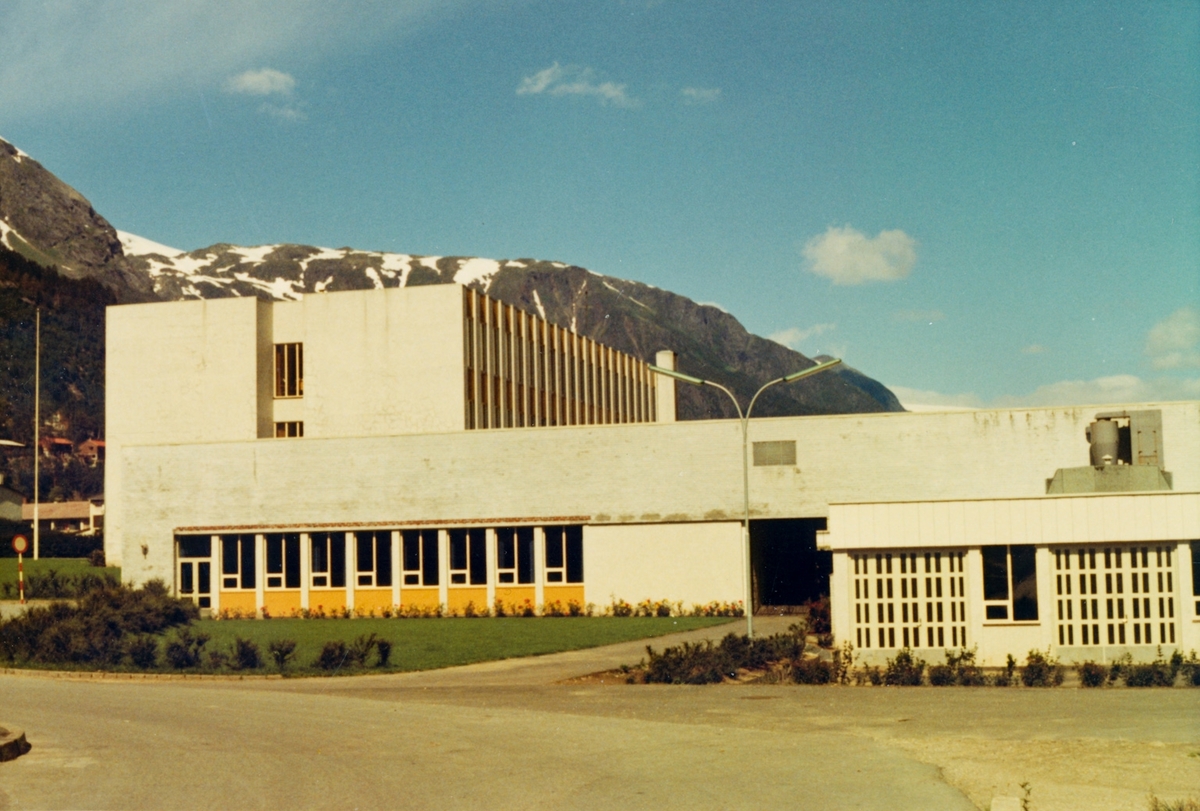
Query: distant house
point(91, 451)
point(85, 517)
point(10, 502)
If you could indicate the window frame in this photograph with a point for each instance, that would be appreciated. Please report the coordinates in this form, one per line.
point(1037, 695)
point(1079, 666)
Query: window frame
point(334, 552)
point(241, 567)
point(515, 556)
point(1019, 600)
point(467, 550)
point(281, 561)
point(379, 545)
point(563, 555)
point(289, 429)
point(419, 547)
point(288, 372)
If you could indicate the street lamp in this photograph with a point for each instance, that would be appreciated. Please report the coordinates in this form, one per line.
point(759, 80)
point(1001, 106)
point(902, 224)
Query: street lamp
point(745, 420)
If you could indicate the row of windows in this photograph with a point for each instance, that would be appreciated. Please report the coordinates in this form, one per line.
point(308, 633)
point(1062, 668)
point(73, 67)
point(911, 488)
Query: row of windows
point(365, 558)
point(910, 599)
point(523, 371)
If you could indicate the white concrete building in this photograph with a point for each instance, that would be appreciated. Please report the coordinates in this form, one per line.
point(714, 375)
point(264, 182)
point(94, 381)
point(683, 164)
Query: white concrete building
point(425, 446)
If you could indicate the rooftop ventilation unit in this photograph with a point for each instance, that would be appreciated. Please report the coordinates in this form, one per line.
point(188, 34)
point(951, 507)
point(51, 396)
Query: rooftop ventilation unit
point(1126, 450)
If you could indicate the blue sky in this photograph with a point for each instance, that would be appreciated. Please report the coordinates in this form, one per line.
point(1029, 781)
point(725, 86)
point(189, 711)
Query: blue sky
point(977, 204)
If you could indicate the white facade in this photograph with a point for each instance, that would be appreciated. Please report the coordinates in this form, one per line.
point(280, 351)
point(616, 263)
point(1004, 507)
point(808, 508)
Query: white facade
point(397, 385)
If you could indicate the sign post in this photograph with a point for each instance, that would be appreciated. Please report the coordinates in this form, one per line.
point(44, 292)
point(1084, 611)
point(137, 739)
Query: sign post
point(20, 545)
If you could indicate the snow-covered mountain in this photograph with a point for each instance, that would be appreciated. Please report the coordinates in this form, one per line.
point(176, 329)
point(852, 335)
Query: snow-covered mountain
point(47, 221)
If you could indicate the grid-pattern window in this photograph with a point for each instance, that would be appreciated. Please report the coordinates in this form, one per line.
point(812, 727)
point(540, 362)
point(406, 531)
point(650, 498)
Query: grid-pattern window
point(373, 558)
point(468, 557)
point(419, 557)
point(237, 562)
point(283, 560)
point(564, 554)
point(521, 371)
point(910, 600)
point(514, 555)
point(328, 559)
point(290, 429)
point(289, 370)
point(1115, 595)
point(1010, 582)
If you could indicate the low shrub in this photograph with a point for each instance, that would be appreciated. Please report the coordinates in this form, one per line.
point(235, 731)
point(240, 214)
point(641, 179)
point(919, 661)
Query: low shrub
point(1005, 677)
point(904, 671)
point(332, 656)
point(818, 615)
point(96, 558)
point(1191, 670)
point(185, 650)
point(383, 649)
point(1091, 674)
point(281, 652)
point(706, 663)
point(813, 671)
point(1041, 670)
point(94, 629)
point(942, 676)
point(1151, 674)
point(246, 655)
point(143, 651)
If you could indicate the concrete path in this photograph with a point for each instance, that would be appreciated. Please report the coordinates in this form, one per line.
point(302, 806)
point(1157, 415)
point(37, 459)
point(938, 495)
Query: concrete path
point(515, 735)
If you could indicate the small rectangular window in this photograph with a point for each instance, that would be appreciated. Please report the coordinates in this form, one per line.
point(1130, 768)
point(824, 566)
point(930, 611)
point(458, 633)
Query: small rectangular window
point(780, 452)
point(289, 430)
point(289, 370)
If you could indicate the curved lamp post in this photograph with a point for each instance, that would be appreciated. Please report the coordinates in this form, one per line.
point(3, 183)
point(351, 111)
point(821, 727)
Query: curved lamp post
point(744, 418)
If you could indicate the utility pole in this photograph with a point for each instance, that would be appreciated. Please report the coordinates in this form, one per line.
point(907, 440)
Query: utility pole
point(37, 420)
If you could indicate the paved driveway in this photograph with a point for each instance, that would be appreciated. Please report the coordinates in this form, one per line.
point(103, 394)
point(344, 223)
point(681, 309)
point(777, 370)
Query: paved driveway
point(511, 735)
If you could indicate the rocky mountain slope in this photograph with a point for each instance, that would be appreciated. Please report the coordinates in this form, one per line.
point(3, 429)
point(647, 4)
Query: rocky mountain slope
point(48, 222)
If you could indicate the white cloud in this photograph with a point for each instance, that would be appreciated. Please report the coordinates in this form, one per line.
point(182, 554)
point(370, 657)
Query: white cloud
point(1174, 342)
point(720, 307)
point(573, 80)
point(262, 82)
point(1033, 349)
point(794, 336)
point(848, 256)
point(700, 95)
point(1109, 390)
point(77, 58)
point(928, 316)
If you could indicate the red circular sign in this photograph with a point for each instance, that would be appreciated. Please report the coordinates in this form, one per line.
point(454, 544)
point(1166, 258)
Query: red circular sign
point(20, 544)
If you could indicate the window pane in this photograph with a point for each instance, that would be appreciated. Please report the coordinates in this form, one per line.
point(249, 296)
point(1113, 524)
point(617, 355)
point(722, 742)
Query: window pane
point(997, 612)
point(429, 557)
point(412, 550)
point(574, 554)
point(458, 549)
point(195, 546)
point(249, 570)
point(554, 547)
point(1195, 568)
point(185, 578)
point(383, 558)
point(478, 554)
point(229, 554)
point(1024, 571)
point(320, 552)
point(274, 554)
point(525, 555)
point(995, 572)
point(204, 577)
point(280, 390)
point(506, 550)
point(291, 558)
point(364, 560)
point(337, 559)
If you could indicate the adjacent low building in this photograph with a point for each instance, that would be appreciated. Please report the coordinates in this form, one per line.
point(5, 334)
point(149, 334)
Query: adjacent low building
point(432, 446)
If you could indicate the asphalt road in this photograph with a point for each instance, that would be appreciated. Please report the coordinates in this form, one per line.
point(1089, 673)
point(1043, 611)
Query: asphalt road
point(511, 735)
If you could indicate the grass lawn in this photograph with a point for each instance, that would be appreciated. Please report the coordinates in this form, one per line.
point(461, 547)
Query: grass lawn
point(67, 567)
point(425, 644)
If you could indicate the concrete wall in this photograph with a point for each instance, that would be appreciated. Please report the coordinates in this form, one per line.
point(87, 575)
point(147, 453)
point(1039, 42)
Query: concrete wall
point(377, 365)
point(691, 563)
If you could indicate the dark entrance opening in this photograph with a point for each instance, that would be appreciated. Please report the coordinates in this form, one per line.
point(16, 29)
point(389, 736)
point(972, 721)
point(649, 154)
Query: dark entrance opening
point(788, 569)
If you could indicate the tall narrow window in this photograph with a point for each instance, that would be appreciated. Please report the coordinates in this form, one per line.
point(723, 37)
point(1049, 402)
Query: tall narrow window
point(564, 554)
point(468, 557)
point(419, 557)
point(373, 559)
point(514, 555)
point(328, 559)
point(289, 370)
point(237, 562)
point(283, 560)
